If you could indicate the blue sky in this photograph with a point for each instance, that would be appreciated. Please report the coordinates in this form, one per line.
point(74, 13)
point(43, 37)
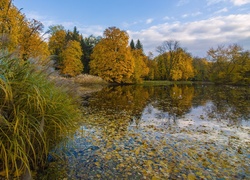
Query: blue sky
point(197, 24)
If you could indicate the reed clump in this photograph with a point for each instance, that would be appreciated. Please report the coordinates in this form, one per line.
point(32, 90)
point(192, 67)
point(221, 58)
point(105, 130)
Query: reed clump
point(35, 115)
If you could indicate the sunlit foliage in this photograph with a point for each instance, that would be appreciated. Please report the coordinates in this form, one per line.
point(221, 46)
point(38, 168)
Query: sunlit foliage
point(19, 34)
point(230, 64)
point(112, 58)
point(174, 63)
point(66, 50)
point(141, 70)
point(71, 59)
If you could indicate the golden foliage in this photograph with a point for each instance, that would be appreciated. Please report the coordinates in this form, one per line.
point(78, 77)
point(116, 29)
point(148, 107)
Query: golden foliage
point(19, 34)
point(111, 58)
point(141, 69)
point(71, 56)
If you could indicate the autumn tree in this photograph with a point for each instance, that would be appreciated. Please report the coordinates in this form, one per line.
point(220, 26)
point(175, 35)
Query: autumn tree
point(174, 63)
point(31, 44)
point(153, 69)
point(66, 49)
point(10, 19)
point(57, 43)
point(141, 70)
point(71, 55)
point(230, 64)
point(201, 69)
point(19, 34)
point(112, 58)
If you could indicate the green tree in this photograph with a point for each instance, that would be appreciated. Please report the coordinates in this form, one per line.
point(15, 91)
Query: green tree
point(71, 59)
point(88, 44)
point(132, 44)
point(139, 45)
point(112, 58)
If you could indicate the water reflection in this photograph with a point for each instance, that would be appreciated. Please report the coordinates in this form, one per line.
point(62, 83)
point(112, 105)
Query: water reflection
point(161, 132)
point(174, 102)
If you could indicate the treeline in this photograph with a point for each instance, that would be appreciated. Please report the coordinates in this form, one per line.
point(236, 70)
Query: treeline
point(114, 58)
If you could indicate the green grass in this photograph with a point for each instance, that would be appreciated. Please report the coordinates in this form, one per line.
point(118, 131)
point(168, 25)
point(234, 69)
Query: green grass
point(159, 83)
point(34, 116)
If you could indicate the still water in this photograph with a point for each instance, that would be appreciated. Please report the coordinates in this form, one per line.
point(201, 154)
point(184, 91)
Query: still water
point(159, 132)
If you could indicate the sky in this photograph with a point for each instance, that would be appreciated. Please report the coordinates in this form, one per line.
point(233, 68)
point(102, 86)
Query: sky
point(198, 25)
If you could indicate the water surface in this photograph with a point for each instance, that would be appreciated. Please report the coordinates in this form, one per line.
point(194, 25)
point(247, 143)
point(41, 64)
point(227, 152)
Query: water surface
point(159, 132)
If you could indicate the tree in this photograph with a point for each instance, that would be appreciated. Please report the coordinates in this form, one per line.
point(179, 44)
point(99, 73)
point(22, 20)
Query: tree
point(73, 35)
point(57, 43)
point(112, 58)
point(132, 44)
point(71, 59)
point(168, 51)
point(139, 45)
point(141, 70)
point(201, 69)
point(19, 34)
point(153, 69)
point(230, 64)
point(174, 63)
point(87, 45)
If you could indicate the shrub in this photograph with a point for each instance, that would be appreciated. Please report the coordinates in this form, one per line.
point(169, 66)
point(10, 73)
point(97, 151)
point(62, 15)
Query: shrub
point(34, 116)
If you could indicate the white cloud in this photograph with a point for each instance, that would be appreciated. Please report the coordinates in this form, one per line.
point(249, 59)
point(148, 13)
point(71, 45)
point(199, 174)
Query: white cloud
point(240, 2)
point(212, 2)
point(198, 36)
point(150, 20)
point(235, 2)
point(221, 11)
point(191, 15)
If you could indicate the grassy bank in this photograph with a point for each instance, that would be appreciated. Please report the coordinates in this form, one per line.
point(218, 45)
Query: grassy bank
point(159, 83)
point(35, 114)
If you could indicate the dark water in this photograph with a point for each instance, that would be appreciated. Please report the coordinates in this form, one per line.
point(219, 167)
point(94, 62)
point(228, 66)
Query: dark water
point(159, 132)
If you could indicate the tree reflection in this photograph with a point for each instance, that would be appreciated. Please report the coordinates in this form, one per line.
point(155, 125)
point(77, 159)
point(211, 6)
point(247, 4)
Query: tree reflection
point(174, 100)
point(230, 103)
point(115, 107)
point(119, 106)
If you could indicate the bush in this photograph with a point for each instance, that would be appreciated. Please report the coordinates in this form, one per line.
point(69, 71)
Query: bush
point(34, 116)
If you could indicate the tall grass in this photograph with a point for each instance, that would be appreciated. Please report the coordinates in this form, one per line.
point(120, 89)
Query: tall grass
point(34, 116)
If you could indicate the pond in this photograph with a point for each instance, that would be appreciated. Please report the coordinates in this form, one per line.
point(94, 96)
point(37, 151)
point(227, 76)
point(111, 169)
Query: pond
point(159, 132)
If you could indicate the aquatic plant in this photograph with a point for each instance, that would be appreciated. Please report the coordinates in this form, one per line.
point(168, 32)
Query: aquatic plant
point(34, 115)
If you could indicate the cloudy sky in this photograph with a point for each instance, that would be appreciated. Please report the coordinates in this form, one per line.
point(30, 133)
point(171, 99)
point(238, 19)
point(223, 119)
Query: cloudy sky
point(197, 24)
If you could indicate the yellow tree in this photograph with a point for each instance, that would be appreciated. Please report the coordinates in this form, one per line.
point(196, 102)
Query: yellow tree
point(57, 43)
point(71, 59)
point(183, 69)
point(31, 43)
point(174, 63)
point(20, 35)
point(112, 58)
point(141, 69)
point(10, 19)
